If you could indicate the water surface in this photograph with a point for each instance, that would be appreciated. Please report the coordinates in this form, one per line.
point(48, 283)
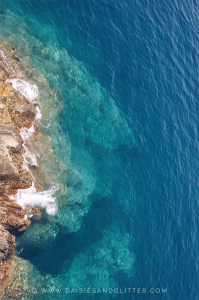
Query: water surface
point(127, 138)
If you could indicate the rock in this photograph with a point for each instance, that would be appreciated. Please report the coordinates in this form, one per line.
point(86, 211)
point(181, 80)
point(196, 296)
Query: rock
point(23, 115)
point(13, 215)
point(5, 117)
point(71, 179)
point(7, 169)
point(7, 244)
point(17, 113)
point(9, 139)
point(37, 213)
point(10, 97)
point(18, 282)
point(3, 73)
point(10, 136)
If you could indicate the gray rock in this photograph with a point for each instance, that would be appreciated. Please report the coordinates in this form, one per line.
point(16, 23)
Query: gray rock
point(10, 136)
point(9, 140)
point(7, 169)
point(27, 111)
point(6, 244)
point(3, 74)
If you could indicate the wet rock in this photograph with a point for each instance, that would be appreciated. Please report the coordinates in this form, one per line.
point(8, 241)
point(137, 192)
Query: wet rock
point(16, 112)
point(23, 115)
point(17, 284)
point(37, 213)
point(13, 215)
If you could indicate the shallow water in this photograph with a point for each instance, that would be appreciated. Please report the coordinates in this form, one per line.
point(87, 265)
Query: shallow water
point(124, 131)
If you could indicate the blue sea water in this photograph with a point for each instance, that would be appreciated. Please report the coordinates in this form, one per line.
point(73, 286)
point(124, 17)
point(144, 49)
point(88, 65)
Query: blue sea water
point(128, 74)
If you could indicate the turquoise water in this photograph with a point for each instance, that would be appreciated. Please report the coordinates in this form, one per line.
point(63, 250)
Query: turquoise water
point(124, 132)
point(86, 136)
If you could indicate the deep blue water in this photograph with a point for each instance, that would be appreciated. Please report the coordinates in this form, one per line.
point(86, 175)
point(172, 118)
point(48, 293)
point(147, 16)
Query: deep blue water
point(144, 55)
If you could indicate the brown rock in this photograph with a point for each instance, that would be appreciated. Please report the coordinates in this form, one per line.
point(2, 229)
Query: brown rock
point(5, 117)
point(37, 213)
point(3, 73)
point(17, 112)
point(7, 169)
point(17, 285)
point(10, 136)
point(10, 97)
point(13, 215)
point(23, 115)
point(9, 140)
point(7, 245)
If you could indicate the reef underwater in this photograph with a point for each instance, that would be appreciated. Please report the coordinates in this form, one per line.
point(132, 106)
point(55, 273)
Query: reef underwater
point(45, 189)
point(99, 150)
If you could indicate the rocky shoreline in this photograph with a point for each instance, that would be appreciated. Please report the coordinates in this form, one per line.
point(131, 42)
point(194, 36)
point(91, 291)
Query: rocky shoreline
point(19, 169)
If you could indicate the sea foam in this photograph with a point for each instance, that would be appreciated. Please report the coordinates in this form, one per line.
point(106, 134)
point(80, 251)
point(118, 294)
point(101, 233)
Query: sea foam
point(29, 159)
point(28, 90)
point(26, 133)
point(30, 197)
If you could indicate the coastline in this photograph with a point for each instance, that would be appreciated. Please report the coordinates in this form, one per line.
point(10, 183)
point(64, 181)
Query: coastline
point(22, 179)
point(50, 156)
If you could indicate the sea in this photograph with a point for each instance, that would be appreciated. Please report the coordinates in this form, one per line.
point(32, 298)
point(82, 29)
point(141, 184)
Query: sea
point(124, 131)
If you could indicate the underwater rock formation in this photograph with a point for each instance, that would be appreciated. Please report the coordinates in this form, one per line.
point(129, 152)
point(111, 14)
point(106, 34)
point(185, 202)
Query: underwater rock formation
point(19, 109)
point(17, 284)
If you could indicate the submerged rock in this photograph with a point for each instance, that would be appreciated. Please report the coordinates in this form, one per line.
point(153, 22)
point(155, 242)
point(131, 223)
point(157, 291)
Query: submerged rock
point(37, 213)
point(18, 284)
